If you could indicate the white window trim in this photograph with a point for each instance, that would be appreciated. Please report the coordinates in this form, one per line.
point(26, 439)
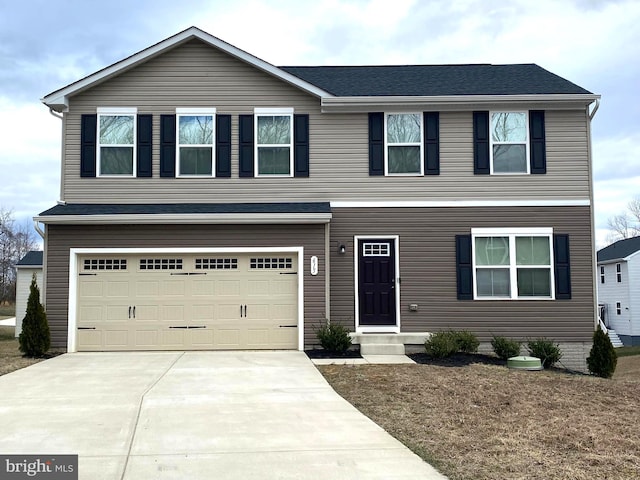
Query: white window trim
point(526, 148)
point(512, 233)
point(272, 112)
point(189, 112)
point(414, 144)
point(602, 275)
point(618, 273)
point(109, 112)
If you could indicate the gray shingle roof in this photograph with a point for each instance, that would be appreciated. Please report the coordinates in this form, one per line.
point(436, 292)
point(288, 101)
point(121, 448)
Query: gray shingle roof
point(436, 80)
point(186, 208)
point(620, 249)
point(31, 259)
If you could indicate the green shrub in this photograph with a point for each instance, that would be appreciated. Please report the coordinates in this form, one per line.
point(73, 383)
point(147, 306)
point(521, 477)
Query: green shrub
point(505, 348)
point(467, 341)
point(34, 339)
point(334, 338)
point(441, 344)
point(548, 352)
point(602, 359)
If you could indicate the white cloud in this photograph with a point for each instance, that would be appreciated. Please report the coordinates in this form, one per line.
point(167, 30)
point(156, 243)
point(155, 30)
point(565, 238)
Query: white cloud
point(29, 158)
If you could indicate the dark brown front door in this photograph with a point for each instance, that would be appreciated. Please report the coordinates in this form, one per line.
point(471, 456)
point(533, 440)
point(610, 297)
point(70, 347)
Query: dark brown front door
point(376, 282)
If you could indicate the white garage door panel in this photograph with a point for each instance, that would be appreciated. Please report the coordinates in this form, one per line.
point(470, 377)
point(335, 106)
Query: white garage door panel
point(184, 302)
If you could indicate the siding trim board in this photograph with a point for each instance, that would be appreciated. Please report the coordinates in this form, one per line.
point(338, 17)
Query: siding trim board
point(74, 253)
point(461, 203)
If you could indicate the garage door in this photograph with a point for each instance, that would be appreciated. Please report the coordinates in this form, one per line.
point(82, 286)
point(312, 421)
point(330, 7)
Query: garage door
point(187, 302)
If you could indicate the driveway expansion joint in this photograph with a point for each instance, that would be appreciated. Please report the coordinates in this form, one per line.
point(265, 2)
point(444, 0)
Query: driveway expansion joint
point(135, 425)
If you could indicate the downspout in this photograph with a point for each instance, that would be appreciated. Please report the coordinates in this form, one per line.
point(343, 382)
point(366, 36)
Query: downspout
point(594, 259)
point(38, 229)
point(52, 112)
point(36, 225)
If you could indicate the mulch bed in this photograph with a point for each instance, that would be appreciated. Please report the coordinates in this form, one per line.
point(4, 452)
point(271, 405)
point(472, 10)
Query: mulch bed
point(321, 353)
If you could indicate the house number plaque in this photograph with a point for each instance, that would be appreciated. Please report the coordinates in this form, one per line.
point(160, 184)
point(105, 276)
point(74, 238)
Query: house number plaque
point(314, 265)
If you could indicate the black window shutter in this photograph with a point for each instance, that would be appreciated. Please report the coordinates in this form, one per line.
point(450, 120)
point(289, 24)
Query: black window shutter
point(464, 271)
point(301, 145)
point(562, 266)
point(481, 143)
point(223, 146)
point(246, 145)
point(537, 152)
point(167, 145)
point(88, 126)
point(431, 143)
point(144, 145)
point(376, 143)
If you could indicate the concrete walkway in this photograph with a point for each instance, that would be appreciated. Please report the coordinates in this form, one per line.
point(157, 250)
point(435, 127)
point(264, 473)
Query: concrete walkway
point(196, 415)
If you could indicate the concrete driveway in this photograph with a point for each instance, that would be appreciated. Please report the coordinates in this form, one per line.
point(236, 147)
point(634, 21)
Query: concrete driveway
point(196, 415)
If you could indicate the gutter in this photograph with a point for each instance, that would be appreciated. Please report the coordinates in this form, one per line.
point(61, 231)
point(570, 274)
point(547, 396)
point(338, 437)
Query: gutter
point(462, 102)
point(172, 218)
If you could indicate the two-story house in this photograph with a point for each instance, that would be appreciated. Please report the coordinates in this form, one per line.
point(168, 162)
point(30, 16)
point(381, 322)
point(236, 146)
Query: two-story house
point(618, 283)
point(211, 200)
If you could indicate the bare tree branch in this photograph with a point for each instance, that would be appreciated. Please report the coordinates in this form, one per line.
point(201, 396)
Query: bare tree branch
point(627, 224)
point(15, 241)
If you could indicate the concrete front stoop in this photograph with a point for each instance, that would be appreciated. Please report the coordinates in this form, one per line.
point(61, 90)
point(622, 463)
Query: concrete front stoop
point(387, 343)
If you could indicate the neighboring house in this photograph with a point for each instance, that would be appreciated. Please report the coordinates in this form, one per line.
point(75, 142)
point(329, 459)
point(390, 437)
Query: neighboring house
point(28, 265)
point(618, 283)
point(211, 200)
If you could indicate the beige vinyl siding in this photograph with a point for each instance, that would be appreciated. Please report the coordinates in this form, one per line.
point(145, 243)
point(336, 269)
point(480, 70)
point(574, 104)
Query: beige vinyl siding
point(196, 75)
point(60, 239)
point(428, 271)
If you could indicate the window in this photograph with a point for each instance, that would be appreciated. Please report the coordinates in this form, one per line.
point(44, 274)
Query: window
point(274, 148)
point(601, 274)
point(618, 308)
point(161, 264)
point(509, 142)
point(618, 273)
point(195, 141)
point(105, 264)
point(376, 249)
point(513, 263)
point(270, 263)
point(216, 263)
point(116, 141)
point(403, 152)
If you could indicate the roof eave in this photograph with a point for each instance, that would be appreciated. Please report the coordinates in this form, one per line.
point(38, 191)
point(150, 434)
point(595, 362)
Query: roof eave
point(453, 102)
point(59, 99)
point(199, 218)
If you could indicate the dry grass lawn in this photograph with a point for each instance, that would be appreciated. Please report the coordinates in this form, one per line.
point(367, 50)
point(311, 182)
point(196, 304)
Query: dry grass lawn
point(482, 421)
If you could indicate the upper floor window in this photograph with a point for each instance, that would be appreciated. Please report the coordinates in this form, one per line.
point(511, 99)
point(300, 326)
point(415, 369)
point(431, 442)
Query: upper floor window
point(601, 274)
point(618, 273)
point(403, 151)
point(116, 141)
point(195, 141)
point(274, 142)
point(509, 142)
point(513, 263)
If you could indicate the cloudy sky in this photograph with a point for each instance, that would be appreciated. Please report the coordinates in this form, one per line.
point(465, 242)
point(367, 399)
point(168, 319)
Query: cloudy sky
point(47, 44)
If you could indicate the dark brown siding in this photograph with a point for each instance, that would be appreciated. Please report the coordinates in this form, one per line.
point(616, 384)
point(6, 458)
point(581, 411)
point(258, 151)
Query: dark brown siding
point(61, 238)
point(428, 270)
